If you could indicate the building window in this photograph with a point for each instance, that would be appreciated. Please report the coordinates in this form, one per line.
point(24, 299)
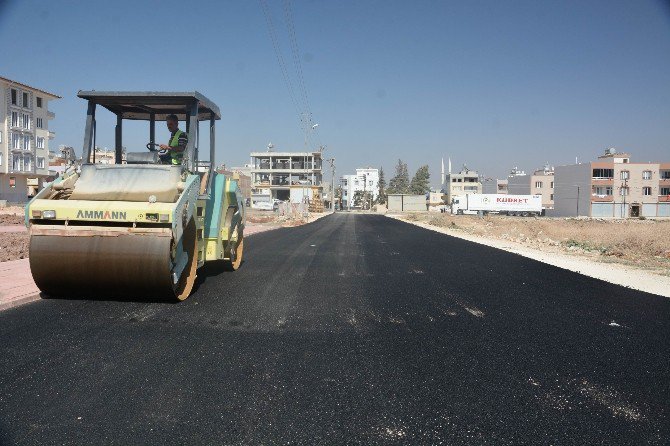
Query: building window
point(646, 190)
point(603, 173)
point(0, 158)
point(39, 123)
point(15, 141)
point(26, 142)
point(17, 165)
point(39, 102)
point(538, 184)
point(27, 163)
point(602, 190)
point(26, 104)
point(14, 93)
point(665, 174)
point(551, 197)
point(665, 191)
point(15, 119)
point(552, 184)
point(25, 121)
point(624, 191)
point(40, 142)
point(625, 174)
point(646, 175)
point(0, 139)
point(12, 181)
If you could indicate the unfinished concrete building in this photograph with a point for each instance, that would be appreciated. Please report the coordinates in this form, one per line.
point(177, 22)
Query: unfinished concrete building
point(286, 176)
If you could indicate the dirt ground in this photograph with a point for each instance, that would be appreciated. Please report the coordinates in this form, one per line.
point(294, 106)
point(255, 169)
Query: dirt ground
point(11, 219)
point(13, 246)
point(11, 210)
point(633, 242)
point(257, 217)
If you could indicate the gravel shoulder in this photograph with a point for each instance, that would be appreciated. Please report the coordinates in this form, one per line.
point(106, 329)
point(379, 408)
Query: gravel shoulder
point(639, 266)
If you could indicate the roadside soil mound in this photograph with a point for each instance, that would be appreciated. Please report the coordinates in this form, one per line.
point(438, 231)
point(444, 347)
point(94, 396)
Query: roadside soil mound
point(637, 242)
point(14, 246)
point(11, 219)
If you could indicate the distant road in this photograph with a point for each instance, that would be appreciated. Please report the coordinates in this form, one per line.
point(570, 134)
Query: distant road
point(353, 329)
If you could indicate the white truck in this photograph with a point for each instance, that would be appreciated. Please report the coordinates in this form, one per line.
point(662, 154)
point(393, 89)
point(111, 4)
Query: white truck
point(522, 205)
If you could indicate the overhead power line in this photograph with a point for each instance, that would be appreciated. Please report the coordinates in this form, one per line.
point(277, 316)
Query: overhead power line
point(297, 88)
point(280, 58)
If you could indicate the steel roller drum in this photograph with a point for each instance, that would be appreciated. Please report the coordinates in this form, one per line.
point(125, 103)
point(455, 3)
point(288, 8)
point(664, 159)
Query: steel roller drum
point(120, 266)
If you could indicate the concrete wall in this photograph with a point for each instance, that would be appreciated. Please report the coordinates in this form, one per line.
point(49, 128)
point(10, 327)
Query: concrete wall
point(495, 187)
point(567, 179)
point(406, 203)
point(3, 129)
point(518, 185)
point(17, 194)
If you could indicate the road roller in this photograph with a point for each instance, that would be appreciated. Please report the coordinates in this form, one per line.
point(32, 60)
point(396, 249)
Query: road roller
point(136, 226)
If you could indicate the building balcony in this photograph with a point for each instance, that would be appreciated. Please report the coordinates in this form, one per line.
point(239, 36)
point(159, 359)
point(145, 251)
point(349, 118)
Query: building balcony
point(602, 198)
point(664, 198)
point(52, 135)
point(602, 180)
point(284, 185)
point(51, 115)
point(287, 169)
point(664, 181)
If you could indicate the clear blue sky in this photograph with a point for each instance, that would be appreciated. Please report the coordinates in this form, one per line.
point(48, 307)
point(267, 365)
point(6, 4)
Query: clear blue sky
point(494, 84)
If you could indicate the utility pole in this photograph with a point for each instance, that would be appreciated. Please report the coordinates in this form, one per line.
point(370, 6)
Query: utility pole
point(365, 193)
point(577, 201)
point(624, 188)
point(332, 186)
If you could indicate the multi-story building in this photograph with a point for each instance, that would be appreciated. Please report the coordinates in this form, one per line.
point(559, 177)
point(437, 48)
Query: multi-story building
point(286, 176)
point(103, 155)
point(24, 139)
point(494, 186)
point(242, 170)
point(541, 182)
point(613, 187)
point(462, 183)
point(365, 180)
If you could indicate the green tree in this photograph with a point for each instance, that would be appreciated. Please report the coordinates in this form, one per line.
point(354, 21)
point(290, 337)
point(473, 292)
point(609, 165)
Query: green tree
point(381, 197)
point(420, 183)
point(362, 199)
point(399, 184)
point(338, 196)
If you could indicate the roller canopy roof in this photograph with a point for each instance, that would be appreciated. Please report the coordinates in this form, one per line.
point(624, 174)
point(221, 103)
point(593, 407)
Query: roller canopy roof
point(139, 105)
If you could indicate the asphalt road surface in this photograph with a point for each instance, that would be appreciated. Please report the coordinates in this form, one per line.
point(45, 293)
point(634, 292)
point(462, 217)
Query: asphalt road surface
point(353, 329)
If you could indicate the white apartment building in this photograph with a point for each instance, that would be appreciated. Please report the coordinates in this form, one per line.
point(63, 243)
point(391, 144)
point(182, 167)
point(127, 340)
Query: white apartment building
point(365, 180)
point(286, 176)
point(24, 139)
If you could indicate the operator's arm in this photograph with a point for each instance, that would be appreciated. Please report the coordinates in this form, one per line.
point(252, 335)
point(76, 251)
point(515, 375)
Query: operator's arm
point(183, 141)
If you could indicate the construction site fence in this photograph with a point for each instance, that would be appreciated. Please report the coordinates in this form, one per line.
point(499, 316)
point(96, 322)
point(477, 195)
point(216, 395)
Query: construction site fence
point(292, 210)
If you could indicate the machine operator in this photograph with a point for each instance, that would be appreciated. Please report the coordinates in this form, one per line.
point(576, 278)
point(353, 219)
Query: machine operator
point(177, 145)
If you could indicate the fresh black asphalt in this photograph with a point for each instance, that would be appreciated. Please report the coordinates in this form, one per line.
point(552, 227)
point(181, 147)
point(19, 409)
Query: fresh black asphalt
point(355, 329)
